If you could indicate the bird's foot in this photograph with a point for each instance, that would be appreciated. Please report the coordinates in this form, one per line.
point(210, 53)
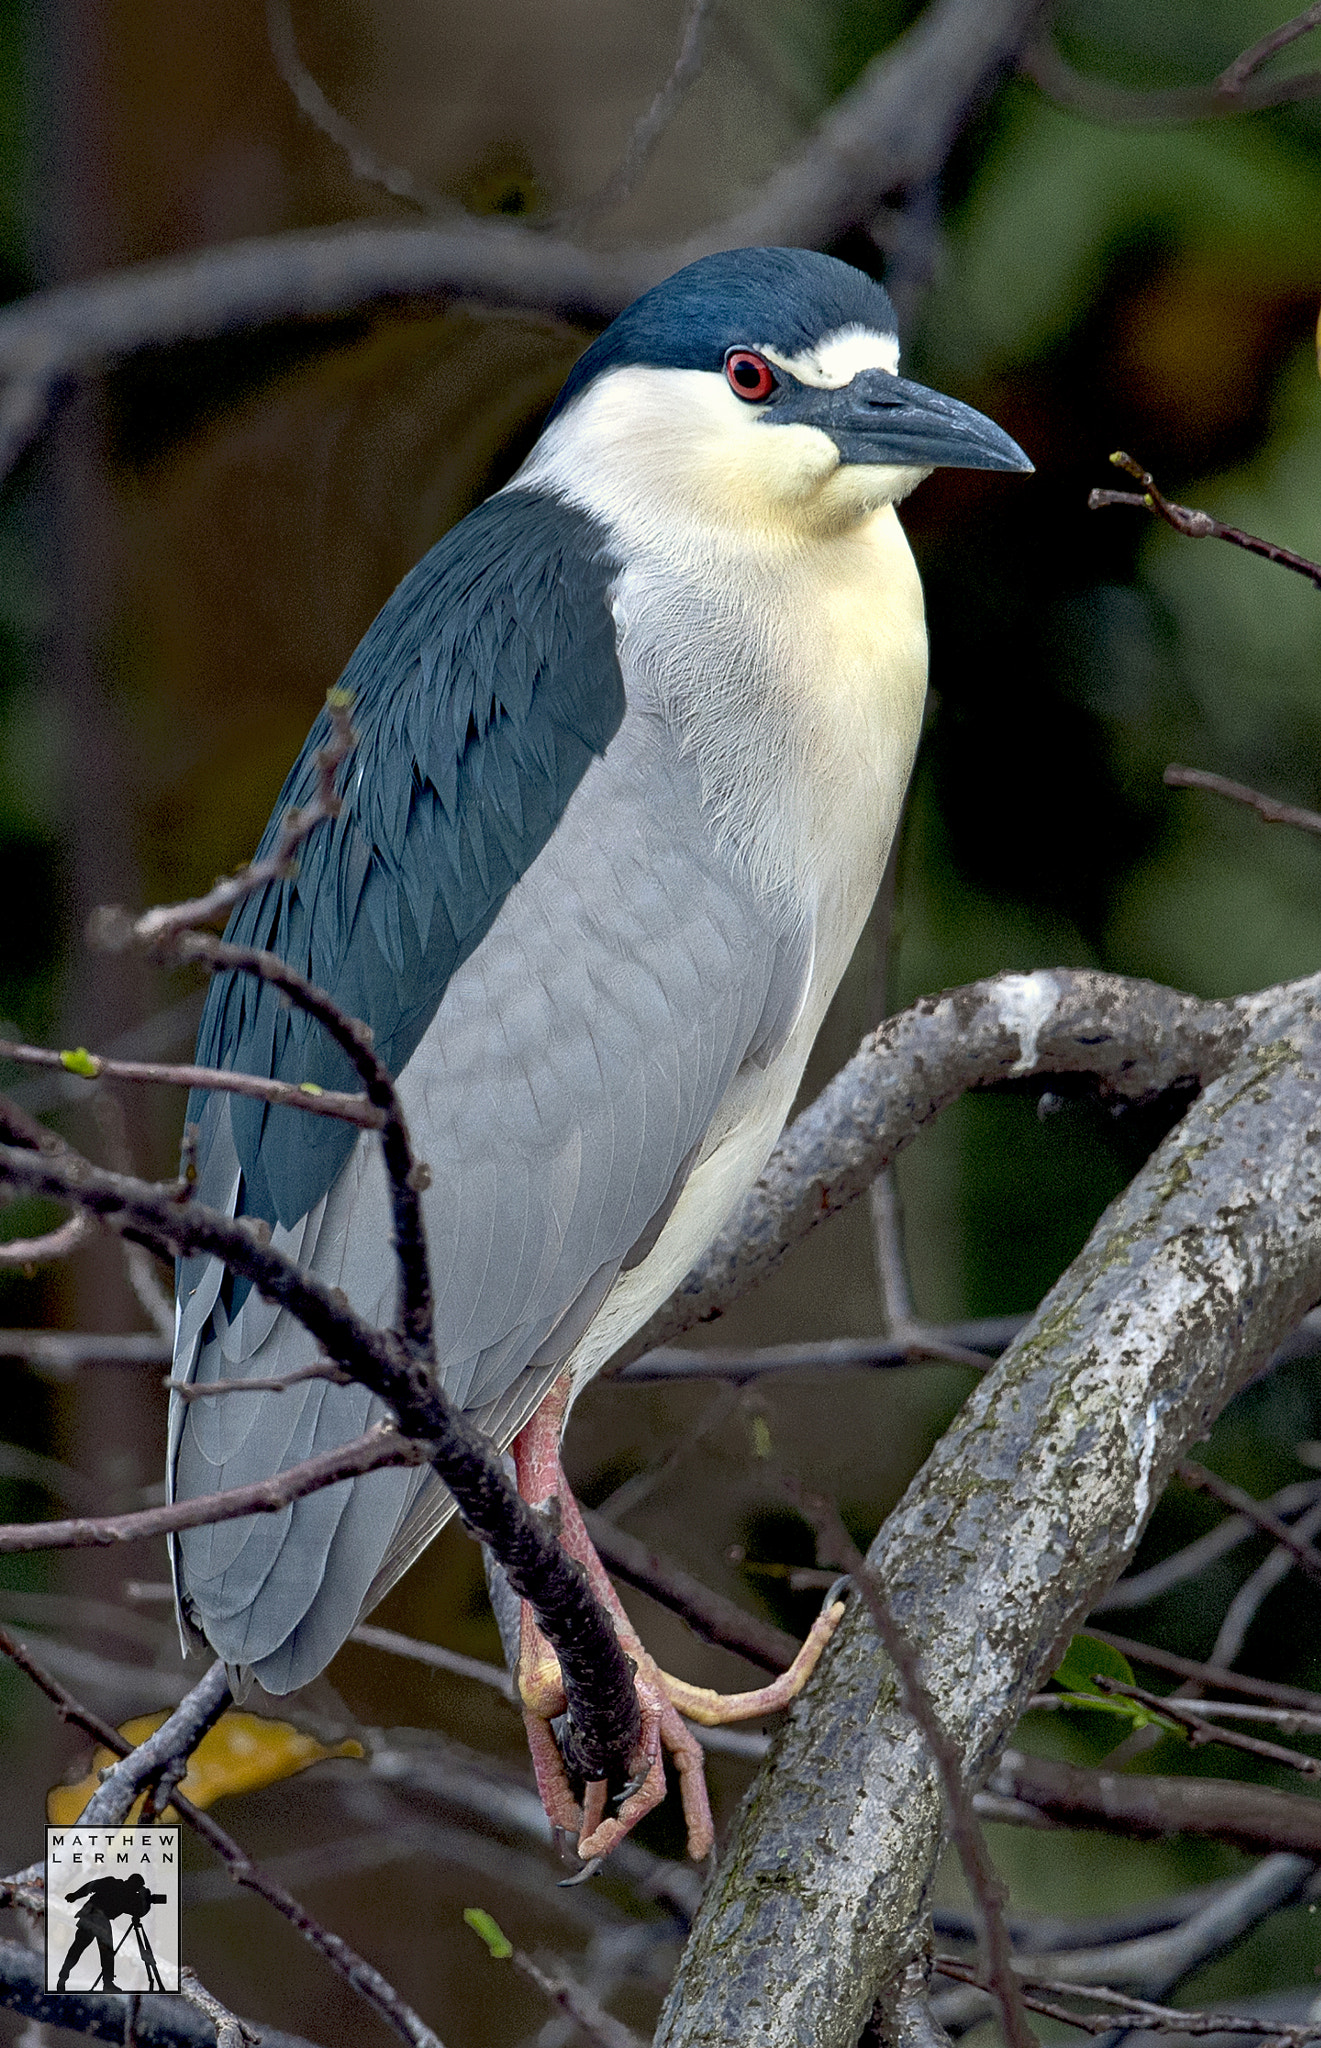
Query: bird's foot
point(663, 1732)
point(717, 1709)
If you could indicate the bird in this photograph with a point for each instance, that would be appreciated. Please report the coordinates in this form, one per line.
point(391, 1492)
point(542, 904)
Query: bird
point(632, 742)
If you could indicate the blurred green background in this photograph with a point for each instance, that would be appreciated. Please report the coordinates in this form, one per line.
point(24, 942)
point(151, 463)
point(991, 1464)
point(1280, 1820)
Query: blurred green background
point(191, 554)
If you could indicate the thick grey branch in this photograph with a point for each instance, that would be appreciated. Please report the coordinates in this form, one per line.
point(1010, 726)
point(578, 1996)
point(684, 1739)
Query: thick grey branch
point(1134, 1037)
point(1026, 1510)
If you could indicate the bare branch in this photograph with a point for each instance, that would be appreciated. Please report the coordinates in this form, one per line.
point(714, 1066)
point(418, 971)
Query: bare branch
point(984, 1881)
point(231, 2032)
point(648, 128)
point(1184, 1288)
point(1136, 1040)
point(1267, 807)
point(1242, 1609)
point(1197, 525)
point(1140, 1588)
point(434, 1654)
point(406, 1176)
point(1251, 60)
point(191, 1390)
point(1201, 1730)
point(1139, 2013)
point(61, 1243)
point(361, 1975)
point(891, 132)
point(378, 1448)
point(59, 1354)
point(163, 2020)
point(155, 927)
point(312, 101)
point(90, 1066)
point(163, 1758)
point(1150, 1808)
point(600, 2027)
point(708, 1614)
point(1097, 100)
point(1208, 1674)
point(1255, 1511)
point(974, 1344)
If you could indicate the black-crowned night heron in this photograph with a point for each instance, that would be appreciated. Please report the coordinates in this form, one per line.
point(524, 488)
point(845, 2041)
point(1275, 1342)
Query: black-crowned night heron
point(634, 738)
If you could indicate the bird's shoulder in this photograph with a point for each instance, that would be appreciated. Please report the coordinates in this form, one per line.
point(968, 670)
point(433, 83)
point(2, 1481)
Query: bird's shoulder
point(480, 694)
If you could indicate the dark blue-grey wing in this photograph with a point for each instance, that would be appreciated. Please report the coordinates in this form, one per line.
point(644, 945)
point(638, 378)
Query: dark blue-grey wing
point(480, 694)
point(630, 987)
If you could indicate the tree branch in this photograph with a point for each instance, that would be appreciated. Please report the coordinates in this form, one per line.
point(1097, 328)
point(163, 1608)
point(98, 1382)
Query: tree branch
point(603, 1727)
point(1252, 1817)
point(364, 1978)
point(1266, 807)
point(892, 131)
point(1197, 525)
point(1135, 1038)
point(1028, 1507)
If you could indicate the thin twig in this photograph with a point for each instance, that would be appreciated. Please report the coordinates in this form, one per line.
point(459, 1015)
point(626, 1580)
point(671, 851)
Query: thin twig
point(983, 1879)
point(1140, 1588)
point(231, 2032)
point(407, 1177)
point(168, 921)
point(1236, 75)
point(1217, 1675)
point(90, 1066)
point(1231, 1496)
point(435, 1655)
point(163, 1757)
point(192, 1390)
point(648, 128)
point(708, 1614)
point(312, 101)
point(1196, 525)
point(1243, 1608)
point(60, 1243)
point(1162, 2019)
point(1098, 100)
point(379, 1447)
point(1267, 807)
point(365, 1979)
point(1290, 1720)
point(1200, 1730)
point(575, 2000)
point(974, 1344)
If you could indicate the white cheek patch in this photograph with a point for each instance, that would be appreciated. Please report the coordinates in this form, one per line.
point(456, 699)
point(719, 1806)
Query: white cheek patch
point(836, 361)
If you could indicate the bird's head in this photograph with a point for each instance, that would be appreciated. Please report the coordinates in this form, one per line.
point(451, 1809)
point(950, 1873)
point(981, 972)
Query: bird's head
point(760, 388)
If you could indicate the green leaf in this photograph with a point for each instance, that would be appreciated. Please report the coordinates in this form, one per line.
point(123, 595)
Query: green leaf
point(488, 1930)
point(310, 1088)
point(1085, 1660)
point(80, 1061)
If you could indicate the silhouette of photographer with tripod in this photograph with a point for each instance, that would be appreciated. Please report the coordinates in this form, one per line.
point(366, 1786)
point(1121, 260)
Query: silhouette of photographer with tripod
point(107, 1899)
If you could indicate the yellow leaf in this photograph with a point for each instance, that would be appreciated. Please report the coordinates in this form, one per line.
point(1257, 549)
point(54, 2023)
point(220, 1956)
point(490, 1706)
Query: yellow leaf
point(240, 1754)
point(310, 1088)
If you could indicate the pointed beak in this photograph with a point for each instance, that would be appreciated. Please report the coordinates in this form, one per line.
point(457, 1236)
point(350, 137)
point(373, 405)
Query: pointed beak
point(878, 418)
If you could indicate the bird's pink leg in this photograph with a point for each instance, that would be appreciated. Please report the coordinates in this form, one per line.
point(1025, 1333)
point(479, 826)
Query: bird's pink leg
point(662, 1699)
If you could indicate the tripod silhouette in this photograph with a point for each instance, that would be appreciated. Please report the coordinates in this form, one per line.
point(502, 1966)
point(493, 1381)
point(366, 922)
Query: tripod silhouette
point(145, 1950)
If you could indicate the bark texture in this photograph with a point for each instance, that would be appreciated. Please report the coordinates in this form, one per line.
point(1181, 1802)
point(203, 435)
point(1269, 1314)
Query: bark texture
point(1028, 1508)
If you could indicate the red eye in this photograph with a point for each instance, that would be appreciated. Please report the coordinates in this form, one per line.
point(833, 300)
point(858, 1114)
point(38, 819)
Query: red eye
point(750, 376)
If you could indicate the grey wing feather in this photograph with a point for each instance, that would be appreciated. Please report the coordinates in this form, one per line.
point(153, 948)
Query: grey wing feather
point(577, 1062)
